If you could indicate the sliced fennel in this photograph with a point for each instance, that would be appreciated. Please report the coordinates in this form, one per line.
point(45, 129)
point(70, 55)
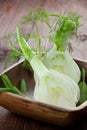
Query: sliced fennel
point(63, 63)
point(51, 86)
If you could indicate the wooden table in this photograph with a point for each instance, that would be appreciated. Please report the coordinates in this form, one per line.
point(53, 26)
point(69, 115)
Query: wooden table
point(11, 12)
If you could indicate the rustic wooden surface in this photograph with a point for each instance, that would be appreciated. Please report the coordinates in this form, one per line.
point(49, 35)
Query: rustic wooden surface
point(11, 12)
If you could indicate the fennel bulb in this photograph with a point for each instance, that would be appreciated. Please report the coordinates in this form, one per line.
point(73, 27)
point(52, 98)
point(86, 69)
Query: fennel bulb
point(51, 86)
point(58, 58)
point(63, 63)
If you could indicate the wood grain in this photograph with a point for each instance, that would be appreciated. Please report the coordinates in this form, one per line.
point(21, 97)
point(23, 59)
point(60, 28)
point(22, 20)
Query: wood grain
point(11, 12)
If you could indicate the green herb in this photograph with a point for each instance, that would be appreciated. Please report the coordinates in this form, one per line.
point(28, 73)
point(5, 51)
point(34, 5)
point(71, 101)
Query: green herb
point(6, 81)
point(36, 15)
point(9, 86)
point(83, 89)
point(23, 86)
point(65, 28)
point(15, 53)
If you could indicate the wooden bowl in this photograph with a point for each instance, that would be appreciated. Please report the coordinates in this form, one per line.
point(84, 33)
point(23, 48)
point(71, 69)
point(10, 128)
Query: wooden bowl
point(34, 109)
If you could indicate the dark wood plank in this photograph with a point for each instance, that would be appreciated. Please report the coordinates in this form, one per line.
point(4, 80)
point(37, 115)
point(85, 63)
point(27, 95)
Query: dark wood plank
point(11, 12)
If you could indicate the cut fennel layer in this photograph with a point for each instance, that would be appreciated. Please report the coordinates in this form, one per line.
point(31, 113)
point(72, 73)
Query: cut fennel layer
point(63, 63)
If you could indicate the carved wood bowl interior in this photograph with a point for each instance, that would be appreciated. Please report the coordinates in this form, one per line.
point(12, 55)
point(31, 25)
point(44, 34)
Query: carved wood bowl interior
point(34, 109)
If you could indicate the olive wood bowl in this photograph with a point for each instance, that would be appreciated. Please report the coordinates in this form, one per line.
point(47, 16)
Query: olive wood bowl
point(37, 110)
